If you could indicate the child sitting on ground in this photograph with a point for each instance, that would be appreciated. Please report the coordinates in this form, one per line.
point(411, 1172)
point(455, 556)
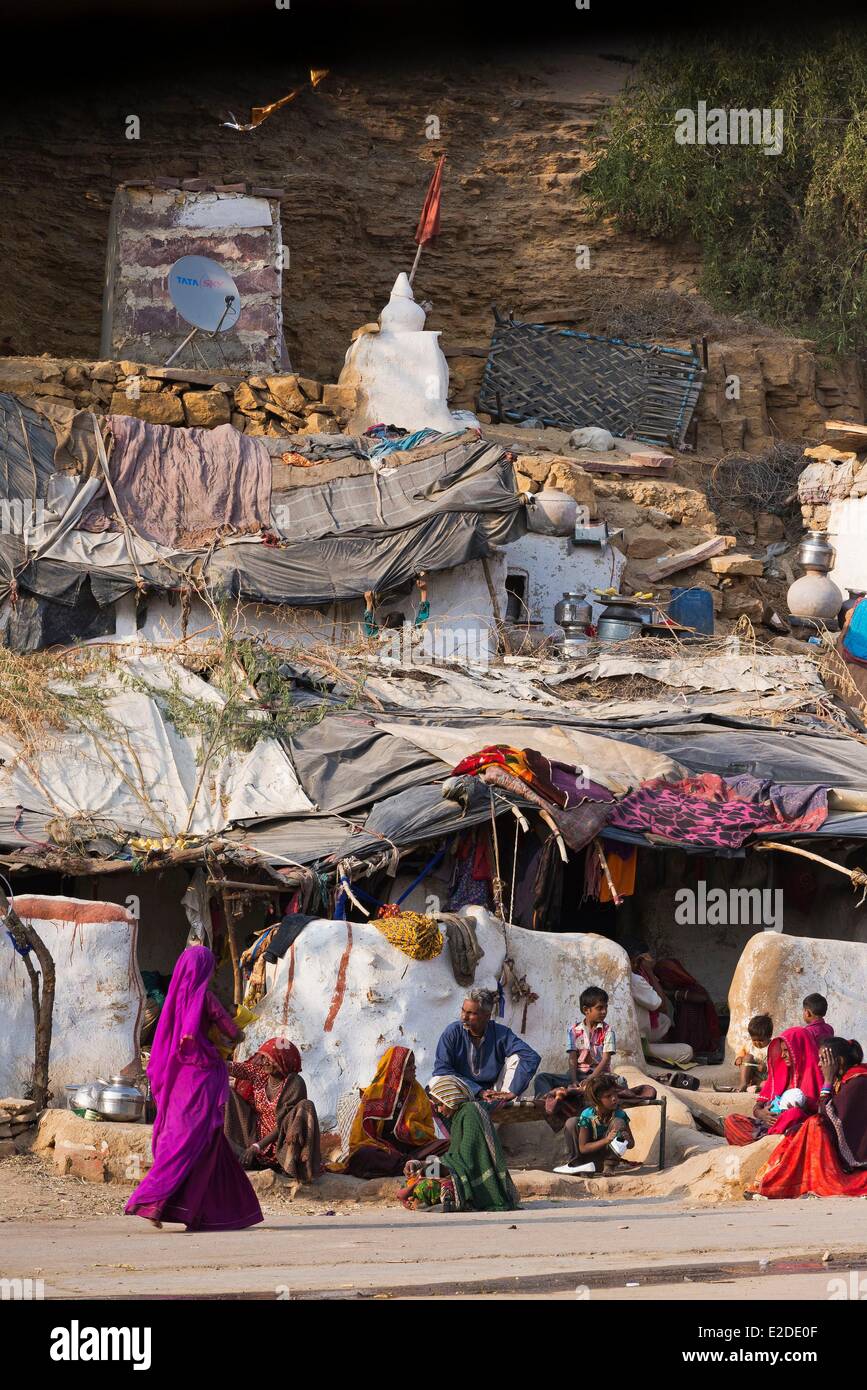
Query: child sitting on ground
point(815, 1007)
point(589, 1136)
point(419, 1190)
point(753, 1059)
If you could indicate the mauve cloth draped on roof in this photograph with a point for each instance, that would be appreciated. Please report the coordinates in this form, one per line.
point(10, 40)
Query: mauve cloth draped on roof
point(182, 488)
point(705, 810)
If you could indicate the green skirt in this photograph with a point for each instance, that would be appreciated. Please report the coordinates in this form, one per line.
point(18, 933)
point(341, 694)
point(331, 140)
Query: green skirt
point(477, 1164)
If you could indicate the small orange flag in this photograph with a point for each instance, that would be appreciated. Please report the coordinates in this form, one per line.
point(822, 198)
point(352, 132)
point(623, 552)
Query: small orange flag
point(429, 222)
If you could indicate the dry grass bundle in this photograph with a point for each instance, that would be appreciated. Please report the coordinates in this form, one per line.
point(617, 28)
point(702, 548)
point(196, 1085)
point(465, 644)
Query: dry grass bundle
point(766, 482)
point(42, 690)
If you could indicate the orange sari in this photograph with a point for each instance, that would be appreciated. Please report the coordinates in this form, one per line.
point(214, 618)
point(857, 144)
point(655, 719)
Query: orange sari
point(818, 1159)
point(393, 1122)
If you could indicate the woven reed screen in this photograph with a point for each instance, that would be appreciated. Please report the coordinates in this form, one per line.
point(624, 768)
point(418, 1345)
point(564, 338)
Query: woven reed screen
point(570, 379)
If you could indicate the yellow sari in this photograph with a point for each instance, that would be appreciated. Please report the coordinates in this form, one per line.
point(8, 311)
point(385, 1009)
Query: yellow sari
point(393, 1122)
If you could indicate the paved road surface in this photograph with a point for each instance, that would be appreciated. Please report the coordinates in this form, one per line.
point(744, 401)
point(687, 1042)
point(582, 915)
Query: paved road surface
point(546, 1250)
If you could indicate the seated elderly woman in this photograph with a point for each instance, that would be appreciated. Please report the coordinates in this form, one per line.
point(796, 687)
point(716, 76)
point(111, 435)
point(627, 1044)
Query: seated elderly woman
point(474, 1175)
point(492, 1061)
point(270, 1123)
point(391, 1123)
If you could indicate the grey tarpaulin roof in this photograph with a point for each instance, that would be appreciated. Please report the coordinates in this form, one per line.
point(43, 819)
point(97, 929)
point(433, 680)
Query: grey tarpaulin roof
point(344, 763)
point(467, 477)
point(313, 573)
point(421, 813)
point(392, 792)
point(435, 509)
point(27, 445)
point(307, 574)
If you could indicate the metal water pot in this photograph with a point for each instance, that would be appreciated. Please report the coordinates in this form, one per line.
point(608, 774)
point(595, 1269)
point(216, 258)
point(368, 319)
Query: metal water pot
point(617, 629)
point(816, 552)
point(120, 1101)
point(573, 612)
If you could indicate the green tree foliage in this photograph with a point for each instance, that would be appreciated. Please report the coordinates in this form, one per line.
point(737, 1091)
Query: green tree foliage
point(782, 236)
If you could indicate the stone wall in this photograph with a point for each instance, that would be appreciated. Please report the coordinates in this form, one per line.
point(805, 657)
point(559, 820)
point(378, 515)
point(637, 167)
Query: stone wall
point(757, 391)
point(260, 405)
point(762, 390)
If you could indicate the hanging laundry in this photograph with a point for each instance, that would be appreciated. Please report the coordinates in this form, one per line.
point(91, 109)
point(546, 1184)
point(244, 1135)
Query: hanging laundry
point(577, 825)
point(559, 784)
point(622, 860)
point(472, 875)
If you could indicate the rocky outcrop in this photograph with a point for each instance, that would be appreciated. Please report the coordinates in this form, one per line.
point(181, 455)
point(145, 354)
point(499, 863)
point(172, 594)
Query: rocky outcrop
point(760, 390)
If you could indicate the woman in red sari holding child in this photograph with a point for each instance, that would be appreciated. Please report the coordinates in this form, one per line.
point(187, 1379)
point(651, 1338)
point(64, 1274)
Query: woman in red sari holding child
point(793, 1070)
point(827, 1155)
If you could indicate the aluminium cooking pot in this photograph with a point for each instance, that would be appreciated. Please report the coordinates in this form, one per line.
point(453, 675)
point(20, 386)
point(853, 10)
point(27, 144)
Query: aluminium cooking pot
point(617, 629)
point(120, 1101)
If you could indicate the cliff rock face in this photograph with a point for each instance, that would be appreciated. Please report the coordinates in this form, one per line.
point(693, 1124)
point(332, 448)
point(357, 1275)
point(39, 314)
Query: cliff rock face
point(353, 160)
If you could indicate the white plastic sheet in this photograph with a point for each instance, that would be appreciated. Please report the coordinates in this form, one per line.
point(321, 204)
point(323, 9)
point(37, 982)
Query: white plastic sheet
point(141, 772)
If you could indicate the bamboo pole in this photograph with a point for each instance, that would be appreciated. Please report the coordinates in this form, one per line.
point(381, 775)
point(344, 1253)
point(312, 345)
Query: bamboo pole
point(238, 991)
point(618, 901)
point(857, 877)
point(415, 262)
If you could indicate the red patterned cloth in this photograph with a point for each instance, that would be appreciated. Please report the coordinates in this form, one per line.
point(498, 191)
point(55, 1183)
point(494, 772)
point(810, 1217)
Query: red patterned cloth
point(801, 1071)
point(827, 1156)
point(252, 1079)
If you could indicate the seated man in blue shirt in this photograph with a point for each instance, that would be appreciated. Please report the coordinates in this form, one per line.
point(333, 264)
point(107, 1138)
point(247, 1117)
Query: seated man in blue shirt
point(477, 1050)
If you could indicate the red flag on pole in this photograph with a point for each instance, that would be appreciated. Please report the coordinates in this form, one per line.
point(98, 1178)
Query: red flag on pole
point(429, 222)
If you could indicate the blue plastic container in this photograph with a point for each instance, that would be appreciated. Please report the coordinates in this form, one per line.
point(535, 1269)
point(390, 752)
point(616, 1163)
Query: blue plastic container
point(693, 608)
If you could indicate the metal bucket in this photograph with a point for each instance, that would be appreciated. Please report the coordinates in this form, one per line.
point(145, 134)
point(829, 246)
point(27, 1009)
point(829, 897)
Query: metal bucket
point(617, 630)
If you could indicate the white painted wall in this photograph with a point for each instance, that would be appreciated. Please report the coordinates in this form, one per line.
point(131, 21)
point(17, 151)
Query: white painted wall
point(391, 1000)
point(776, 972)
point(553, 564)
point(847, 530)
point(98, 1000)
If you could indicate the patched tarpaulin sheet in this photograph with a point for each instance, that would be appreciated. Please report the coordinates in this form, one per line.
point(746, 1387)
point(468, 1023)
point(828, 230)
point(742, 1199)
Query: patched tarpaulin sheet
point(311, 574)
point(345, 763)
point(184, 487)
point(569, 379)
point(727, 750)
point(421, 813)
point(471, 477)
point(27, 446)
point(136, 768)
point(315, 573)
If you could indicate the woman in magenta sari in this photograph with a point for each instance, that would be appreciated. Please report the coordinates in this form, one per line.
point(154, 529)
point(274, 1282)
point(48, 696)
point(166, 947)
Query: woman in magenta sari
point(196, 1178)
